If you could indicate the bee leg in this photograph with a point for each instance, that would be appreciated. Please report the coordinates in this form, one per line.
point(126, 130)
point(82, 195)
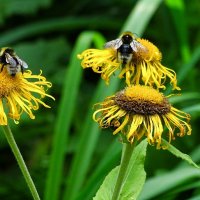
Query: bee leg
point(2, 67)
point(22, 69)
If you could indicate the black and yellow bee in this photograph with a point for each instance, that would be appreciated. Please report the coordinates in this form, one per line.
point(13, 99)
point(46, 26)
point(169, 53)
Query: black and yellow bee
point(11, 61)
point(125, 45)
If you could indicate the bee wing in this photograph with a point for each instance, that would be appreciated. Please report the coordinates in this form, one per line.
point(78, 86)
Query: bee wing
point(136, 46)
point(10, 60)
point(21, 62)
point(113, 44)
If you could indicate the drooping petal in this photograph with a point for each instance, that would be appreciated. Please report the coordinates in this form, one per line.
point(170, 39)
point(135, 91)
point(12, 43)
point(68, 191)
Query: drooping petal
point(22, 93)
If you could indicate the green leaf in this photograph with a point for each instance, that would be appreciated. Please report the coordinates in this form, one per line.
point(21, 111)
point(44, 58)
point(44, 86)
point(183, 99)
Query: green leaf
point(133, 180)
point(104, 166)
point(84, 153)
point(177, 10)
point(184, 97)
point(140, 16)
point(106, 190)
point(160, 184)
point(64, 117)
point(136, 175)
point(89, 135)
point(189, 66)
point(194, 109)
point(179, 154)
point(197, 197)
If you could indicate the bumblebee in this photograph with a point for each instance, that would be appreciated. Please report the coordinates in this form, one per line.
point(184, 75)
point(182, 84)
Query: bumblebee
point(126, 46)
point(11, 61)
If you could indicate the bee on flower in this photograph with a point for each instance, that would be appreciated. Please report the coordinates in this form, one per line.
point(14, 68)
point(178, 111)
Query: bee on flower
point(137, 59)
point(10, 60)
point(142, 110)
point(20, 91)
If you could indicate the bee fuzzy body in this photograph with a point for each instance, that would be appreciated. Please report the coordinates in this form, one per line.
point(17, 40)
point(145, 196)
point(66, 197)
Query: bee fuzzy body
point(126, 45)
point(124, 54)
point(14, 69)
point(11, 61)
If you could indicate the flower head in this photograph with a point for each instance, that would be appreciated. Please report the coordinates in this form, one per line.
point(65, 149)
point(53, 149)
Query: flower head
point(141, 110)
point(21, 93)
point(148, 65)
point(140, 62)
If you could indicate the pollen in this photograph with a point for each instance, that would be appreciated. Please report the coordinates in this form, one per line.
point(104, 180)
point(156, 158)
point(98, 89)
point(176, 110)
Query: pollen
point(8, 83)
point(144, 93)
point(152, 53)
point(142, 100)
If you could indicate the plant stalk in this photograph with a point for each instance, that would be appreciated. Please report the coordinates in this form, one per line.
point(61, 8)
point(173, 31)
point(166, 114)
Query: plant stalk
point(9, 136)
point(126, 156)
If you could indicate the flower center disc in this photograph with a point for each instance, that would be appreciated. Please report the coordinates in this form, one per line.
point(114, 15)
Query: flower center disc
point(142, 100)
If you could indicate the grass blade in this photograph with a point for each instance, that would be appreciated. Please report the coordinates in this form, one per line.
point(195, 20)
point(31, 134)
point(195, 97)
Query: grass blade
point(65, 111)
point(140, 16)
point(177, 9)
point(75, 181)
point(158, 185)
point(88, 136)
point(183, 72)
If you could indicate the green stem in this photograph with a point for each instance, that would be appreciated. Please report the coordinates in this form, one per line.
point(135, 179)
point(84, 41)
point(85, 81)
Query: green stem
point(20, 161)
point(126, 155)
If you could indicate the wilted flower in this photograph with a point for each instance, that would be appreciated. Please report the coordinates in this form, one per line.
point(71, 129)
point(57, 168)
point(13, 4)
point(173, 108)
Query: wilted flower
point(140, 62)
point(141, 110)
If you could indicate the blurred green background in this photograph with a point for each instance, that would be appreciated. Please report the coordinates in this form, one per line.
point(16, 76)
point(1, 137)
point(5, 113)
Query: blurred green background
point(67, 154)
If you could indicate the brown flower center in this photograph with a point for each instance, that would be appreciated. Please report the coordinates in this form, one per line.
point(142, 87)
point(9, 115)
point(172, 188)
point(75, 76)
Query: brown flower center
point(142, 100)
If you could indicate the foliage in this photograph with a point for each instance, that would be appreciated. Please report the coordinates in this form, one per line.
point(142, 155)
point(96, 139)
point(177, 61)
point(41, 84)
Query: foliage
point(67, 154)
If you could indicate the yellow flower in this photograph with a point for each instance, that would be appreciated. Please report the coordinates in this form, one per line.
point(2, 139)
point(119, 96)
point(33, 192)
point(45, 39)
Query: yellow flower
point(148, 66)
point(145, 65)
point(101, 61)
point(141, 110)
point(21, 93)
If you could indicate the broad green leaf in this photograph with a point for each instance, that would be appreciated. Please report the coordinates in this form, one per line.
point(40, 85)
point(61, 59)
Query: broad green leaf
point(104, 166)
point(106, 190)
point(133, 180)
point(179, 154)
point(136, 175)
